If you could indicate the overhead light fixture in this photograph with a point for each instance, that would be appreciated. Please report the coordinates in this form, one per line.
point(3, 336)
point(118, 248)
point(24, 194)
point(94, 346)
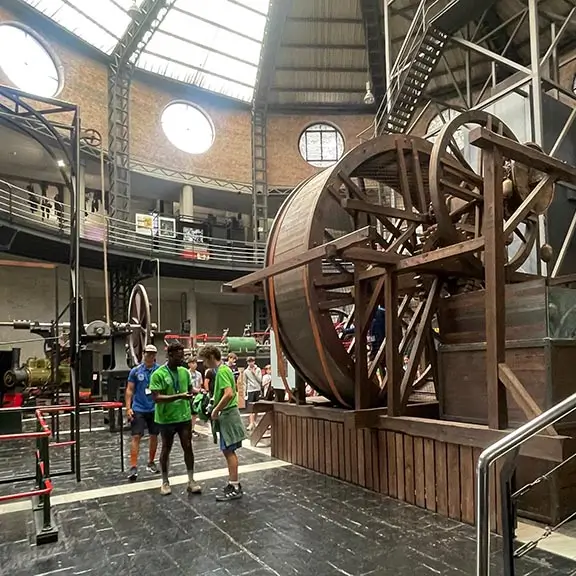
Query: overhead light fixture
point(369, 97)
point(60, 163)
point(134, 10)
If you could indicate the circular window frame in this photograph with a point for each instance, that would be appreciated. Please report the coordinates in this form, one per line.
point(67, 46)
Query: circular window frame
point(325, 123)
point(49, 50)
point(199, 109)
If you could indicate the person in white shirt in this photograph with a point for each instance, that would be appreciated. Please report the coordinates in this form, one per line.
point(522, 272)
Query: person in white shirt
point(253, 383)
point(196, 384)
point(267, 391)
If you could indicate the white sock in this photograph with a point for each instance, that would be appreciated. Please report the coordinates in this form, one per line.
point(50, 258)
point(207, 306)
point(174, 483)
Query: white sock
point(190, 475)
point(235, 484)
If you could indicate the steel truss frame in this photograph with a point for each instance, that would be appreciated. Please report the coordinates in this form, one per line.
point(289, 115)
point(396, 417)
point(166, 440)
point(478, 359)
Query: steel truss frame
point(120, 72)
point(533, 78)
point(61, 121)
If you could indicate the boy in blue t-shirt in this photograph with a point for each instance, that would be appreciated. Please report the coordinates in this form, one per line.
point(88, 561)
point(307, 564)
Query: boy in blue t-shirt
point(140, 411)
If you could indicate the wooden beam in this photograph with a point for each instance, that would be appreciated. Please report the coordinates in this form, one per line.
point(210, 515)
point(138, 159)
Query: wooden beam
point(351, 204)
point(393, 360)
point(261, 428)
point(336, 302)
point(419, 341)
point(520, 395)
point(371, 256)
point(323, 251)
point(494, 262)
point(428, 259)
point(22, 264)
point(363, 397)
point(483, 138)
point(341, 280)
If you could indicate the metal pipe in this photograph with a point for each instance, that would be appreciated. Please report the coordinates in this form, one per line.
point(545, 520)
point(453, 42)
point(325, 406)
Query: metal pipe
point(493, 453)
point(158, 290)
point(387, 49)
point(75, 344)
point(105, 236)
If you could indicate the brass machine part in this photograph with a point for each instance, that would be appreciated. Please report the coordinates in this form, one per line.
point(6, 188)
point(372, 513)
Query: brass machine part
point(36, 372)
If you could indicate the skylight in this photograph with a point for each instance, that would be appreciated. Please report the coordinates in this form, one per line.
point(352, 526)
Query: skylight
point(98, 22)
point(214, 45)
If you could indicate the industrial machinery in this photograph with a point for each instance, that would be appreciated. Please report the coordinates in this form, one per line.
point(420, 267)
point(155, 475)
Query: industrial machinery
point(433, 198)
point(255, 344)
point(46, 377)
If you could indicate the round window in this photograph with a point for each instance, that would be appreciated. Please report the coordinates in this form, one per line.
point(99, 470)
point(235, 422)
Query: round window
point(187, 127)
point(26, 62)
point(321, 145)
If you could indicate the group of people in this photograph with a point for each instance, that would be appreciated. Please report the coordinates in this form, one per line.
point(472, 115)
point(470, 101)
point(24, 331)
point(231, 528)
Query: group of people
point(159, 399)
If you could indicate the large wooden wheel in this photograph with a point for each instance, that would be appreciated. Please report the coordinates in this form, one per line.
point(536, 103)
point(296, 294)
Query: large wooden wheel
point(456, 191)
point(328, 206)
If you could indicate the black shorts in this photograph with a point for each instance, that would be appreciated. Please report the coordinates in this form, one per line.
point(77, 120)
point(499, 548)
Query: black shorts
point(143, 421)
point(170, 430)
point(253, 397)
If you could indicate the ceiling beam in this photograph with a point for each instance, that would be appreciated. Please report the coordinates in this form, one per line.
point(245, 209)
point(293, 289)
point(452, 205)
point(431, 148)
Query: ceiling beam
point(374, 36)
point(277, 14)
point(323, 46)
point(139, 31)
point(328, 20)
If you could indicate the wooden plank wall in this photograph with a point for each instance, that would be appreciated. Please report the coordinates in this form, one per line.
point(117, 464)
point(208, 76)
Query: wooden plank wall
point(434, 475)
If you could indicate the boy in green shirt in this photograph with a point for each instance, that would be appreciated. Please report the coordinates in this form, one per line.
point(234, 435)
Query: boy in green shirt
point(226, 419)
point(171, 389)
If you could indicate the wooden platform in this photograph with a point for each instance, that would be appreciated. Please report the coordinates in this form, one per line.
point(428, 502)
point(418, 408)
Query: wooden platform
point(425, 462)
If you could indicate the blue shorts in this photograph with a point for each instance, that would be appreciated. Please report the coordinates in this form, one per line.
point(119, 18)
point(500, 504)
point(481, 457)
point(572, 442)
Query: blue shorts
point(225, 448)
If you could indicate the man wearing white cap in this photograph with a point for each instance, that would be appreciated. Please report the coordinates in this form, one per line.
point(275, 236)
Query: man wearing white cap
point(140, 411)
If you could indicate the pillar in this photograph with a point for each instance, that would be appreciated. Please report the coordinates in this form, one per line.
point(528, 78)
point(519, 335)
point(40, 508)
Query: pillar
point(187, 201)
point(82, 208)
point(191, 310)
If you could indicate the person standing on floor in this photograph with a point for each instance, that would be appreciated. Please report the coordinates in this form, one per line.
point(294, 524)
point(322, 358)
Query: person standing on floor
point(171, 388)
point(226, 419)
point(197, 388)
point(253, 383)
point(232, 361)
point(140, 411)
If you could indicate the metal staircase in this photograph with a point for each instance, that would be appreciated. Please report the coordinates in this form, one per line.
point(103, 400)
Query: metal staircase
point(427, 36)
point(411, 73)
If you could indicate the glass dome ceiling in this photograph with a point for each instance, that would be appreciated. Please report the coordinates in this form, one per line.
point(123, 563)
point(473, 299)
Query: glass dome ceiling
point(212, 44)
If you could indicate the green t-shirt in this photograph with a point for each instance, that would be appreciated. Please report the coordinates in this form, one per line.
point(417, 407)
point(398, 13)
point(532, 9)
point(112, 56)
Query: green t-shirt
point(225, 379)
point(165, 381)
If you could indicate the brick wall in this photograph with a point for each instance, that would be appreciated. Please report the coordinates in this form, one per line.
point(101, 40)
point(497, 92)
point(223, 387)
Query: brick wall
point(230, 154)
point(285, 164)
point(85, 80)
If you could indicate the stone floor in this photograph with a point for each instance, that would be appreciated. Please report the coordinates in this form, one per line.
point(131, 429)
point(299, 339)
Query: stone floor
point(291, 522)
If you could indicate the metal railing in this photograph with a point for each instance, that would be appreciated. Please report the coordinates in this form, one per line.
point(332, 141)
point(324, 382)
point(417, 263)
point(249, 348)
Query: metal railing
point(508, 447)
point(53, 216)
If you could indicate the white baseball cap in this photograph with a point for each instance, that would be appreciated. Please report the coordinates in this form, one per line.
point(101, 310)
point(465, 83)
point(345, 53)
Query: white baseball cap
point(151, 348)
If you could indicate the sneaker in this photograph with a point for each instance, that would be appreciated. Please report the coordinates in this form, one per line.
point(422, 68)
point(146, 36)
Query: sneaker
point(133, 476)
point(194, 488)
point(165, 489)
point(152, 468)
point(230, 492)
point(195, 434)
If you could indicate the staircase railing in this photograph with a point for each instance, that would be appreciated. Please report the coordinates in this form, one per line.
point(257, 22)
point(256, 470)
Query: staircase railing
point(408, 51)
point(508, 448)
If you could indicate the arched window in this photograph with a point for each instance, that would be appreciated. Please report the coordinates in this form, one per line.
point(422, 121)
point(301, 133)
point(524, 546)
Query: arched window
point(321, 145)
point(26, 61)
point(187, 127)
